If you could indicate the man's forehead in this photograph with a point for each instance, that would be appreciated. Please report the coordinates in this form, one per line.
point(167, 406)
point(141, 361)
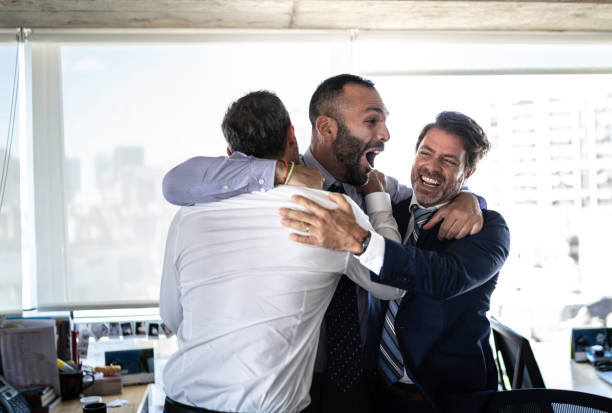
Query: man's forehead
point(442, 141)
point(363, 99)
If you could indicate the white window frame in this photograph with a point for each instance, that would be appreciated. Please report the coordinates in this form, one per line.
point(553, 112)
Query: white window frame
point(11, 37)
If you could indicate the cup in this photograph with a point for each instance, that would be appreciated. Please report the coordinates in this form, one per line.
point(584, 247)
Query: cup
point(98, 407)
point(71, 384)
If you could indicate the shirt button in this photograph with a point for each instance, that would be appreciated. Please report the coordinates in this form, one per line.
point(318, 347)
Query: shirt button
point(261, 181)
point(225, 187)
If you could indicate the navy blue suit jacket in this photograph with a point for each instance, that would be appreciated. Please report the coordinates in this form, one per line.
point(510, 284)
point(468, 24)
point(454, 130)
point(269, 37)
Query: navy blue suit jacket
point(441, 323)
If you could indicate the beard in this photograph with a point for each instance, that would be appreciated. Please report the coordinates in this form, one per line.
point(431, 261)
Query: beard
point(349, 150)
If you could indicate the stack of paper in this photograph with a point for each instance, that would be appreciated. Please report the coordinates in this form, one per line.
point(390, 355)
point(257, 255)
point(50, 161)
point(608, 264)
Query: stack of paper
point(29, 356)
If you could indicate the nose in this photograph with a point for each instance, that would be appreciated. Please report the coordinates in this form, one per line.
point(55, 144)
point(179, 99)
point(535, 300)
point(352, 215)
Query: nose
point(384, 135)
point(432, 165)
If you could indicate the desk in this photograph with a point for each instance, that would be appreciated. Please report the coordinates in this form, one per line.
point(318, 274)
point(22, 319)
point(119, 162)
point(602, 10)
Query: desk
point(560, 372)
point(133, 394)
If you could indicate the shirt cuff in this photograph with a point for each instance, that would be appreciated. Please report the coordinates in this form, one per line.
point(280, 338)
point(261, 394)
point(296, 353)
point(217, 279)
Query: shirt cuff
point(374, 255)
point(378, 201)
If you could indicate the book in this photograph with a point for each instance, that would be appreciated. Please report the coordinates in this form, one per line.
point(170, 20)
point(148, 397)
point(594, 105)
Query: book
point(38, 396)
point(64, 339)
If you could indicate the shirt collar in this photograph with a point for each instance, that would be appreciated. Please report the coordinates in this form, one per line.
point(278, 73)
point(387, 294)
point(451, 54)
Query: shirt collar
point(328, 179)
point(414, 201)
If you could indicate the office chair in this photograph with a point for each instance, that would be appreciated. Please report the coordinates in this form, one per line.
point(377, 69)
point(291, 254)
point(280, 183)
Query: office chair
point(519, 363)
point(546, 401)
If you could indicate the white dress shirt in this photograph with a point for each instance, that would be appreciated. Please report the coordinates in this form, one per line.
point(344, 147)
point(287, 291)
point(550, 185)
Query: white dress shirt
point(246, 303)
point(378, 205)
point(380, 212)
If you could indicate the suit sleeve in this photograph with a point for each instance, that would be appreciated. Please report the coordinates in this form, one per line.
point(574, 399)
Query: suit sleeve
point(208, 179)
point(460, 266)
point(481, 201)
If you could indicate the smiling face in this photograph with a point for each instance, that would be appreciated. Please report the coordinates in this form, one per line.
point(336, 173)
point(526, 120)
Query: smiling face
point(439, 169)
point(362, 132)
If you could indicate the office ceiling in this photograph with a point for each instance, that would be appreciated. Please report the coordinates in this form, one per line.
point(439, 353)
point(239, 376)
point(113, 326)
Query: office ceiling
point(523, 15)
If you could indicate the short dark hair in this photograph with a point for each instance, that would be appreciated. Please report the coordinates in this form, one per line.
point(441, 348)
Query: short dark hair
point(324, 98)
point(473, 136)
point(256, 124)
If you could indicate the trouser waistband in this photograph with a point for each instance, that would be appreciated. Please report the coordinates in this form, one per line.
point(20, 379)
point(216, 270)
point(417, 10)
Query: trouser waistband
point(175, 407)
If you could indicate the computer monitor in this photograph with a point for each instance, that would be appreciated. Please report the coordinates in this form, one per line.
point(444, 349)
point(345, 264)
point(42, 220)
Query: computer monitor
point(137, 365)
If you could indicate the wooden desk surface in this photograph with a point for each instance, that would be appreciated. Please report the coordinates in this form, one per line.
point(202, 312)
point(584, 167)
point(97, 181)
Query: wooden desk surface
point(560, 372)
point(133, 394)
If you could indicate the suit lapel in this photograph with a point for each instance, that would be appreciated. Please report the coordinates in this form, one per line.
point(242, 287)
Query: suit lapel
point(401, 213)
point(421, 316)
point(428, 237)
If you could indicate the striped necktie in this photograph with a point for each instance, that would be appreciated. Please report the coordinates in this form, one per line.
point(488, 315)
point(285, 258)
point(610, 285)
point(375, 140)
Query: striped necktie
point(420, 216)
point(390, 361)
point(343, 332)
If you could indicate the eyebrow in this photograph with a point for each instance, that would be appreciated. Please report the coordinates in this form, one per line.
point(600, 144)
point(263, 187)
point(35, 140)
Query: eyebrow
point(377, 109)
point(427, 148)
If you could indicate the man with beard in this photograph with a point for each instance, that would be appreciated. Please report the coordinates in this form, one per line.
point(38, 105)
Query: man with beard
point(437, 335)
point(247, 305)
point(348, 119)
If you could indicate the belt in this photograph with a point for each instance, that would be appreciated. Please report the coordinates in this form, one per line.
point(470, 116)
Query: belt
point(175, 407)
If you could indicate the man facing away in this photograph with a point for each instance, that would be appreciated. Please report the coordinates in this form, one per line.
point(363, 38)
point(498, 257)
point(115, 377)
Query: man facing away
point(348, 119)
point(246, 305)
point(437, 335)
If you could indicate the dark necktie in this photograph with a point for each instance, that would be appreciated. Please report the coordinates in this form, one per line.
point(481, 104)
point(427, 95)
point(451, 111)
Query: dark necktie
point(343, 333)
point(390, 361)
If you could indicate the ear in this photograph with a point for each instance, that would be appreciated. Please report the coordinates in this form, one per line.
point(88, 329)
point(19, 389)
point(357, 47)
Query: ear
point(291, 139)
point(469, 173)
point(229, 151)
point(327, 127)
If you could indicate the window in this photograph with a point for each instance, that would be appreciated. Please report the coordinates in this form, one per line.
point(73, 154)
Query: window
point(546, 172)
point(545, 139)
point(113, 112)
point(129, 113)
point(10, 211)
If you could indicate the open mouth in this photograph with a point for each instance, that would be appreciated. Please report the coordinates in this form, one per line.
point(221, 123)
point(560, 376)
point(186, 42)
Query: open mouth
point(370, 155)
point(429, 181)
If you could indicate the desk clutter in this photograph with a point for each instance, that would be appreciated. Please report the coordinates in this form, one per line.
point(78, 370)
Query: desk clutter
point(591, 344)
point(40, 359)
point(594, 345)
point(101, 381)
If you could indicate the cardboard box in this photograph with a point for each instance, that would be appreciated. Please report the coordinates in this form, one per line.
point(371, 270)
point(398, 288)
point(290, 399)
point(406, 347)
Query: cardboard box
point(104, 386)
